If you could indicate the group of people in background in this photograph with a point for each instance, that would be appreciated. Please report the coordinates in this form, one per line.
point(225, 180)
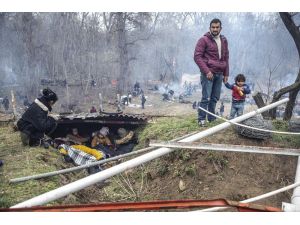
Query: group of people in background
point(137, 91)
point(189, 88)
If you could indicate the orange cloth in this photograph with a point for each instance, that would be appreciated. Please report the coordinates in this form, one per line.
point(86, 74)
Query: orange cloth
point(99, 139)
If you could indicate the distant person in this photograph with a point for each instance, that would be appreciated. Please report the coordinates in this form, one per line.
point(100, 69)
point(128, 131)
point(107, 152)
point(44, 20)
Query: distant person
point(165, 97)
point(222, 108)
point(161, 77)
point(143, 100)
point(129, 97)
point(180, 98)
point(239, 92)
point(189, 89)
point(124, 100)
point(93, 83)
point(136, 89)
point(211, 55)
point(93, 109)
point(171, 94)
point(5, 103)
point(36, 121)
point(136, 86)
point(194, 105)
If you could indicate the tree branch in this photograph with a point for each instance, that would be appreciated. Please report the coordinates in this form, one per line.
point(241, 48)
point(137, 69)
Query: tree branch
point(148, 36)
point(285, 90)
point(292, 28)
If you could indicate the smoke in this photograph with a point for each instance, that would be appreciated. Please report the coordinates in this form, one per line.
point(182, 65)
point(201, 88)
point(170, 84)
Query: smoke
point(10, 78)
point(258, 42)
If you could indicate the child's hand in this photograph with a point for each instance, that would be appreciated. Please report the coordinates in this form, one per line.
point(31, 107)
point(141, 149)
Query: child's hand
point(240, 90)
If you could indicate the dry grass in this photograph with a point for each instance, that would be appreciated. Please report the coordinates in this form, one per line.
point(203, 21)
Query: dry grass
point(22, 161)
point(157, 179)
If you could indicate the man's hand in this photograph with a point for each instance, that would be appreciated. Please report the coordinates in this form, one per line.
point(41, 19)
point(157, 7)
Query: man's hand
point(56, 117)
point(209, 75)
point(225, 79)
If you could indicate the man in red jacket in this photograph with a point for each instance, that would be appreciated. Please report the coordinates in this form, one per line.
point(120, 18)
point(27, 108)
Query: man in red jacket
point(211, 55)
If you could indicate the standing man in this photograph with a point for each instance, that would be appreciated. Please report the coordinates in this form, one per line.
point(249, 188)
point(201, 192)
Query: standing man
point(143, 99)
point(211, 55)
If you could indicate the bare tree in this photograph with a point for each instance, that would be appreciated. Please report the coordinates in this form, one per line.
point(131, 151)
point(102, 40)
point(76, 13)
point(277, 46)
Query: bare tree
point(129, 29)
point(293, 89)
point(106, 46)
point(2, 52)
point(271, 70)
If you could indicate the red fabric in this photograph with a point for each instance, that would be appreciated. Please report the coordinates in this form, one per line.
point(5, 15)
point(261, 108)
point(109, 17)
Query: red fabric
point(236, 95)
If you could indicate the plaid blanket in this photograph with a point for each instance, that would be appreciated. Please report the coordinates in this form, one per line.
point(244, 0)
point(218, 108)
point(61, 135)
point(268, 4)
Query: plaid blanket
point(79, 157)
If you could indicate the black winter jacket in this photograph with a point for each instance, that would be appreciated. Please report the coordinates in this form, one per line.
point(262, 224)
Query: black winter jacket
point(35, 122)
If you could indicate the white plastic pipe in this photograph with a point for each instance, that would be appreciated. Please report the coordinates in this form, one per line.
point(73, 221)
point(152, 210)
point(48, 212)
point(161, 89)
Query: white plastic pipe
point(237, 119)
point(288, 207)
point(294, 206)
point(296, 194)
point(103, 175)
point(263, 196)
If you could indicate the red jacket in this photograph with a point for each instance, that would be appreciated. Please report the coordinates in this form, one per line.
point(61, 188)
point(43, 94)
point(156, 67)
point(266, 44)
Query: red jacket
point(206, 55)
point(238, 96)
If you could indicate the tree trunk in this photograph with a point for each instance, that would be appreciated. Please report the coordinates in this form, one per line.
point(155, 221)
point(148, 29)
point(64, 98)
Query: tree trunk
point(293, 90)
point(260, 103)
point(295, 33)
point(291, 103)
point(123, 53)
point(292, 28)
point(2, 52)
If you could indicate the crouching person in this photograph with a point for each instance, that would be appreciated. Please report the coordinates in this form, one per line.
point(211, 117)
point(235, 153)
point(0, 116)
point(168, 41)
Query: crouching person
point(36, 121)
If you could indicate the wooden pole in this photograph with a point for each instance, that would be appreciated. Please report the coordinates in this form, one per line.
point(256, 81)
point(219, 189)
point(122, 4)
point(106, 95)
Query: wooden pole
point(257, 96)
point(13, 102)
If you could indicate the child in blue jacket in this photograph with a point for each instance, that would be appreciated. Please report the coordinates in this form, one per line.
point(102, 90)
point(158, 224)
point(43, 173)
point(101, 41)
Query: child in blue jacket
point(239, 91)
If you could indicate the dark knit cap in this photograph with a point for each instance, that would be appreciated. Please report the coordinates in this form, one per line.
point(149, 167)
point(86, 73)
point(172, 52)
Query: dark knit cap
point(49, 95)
